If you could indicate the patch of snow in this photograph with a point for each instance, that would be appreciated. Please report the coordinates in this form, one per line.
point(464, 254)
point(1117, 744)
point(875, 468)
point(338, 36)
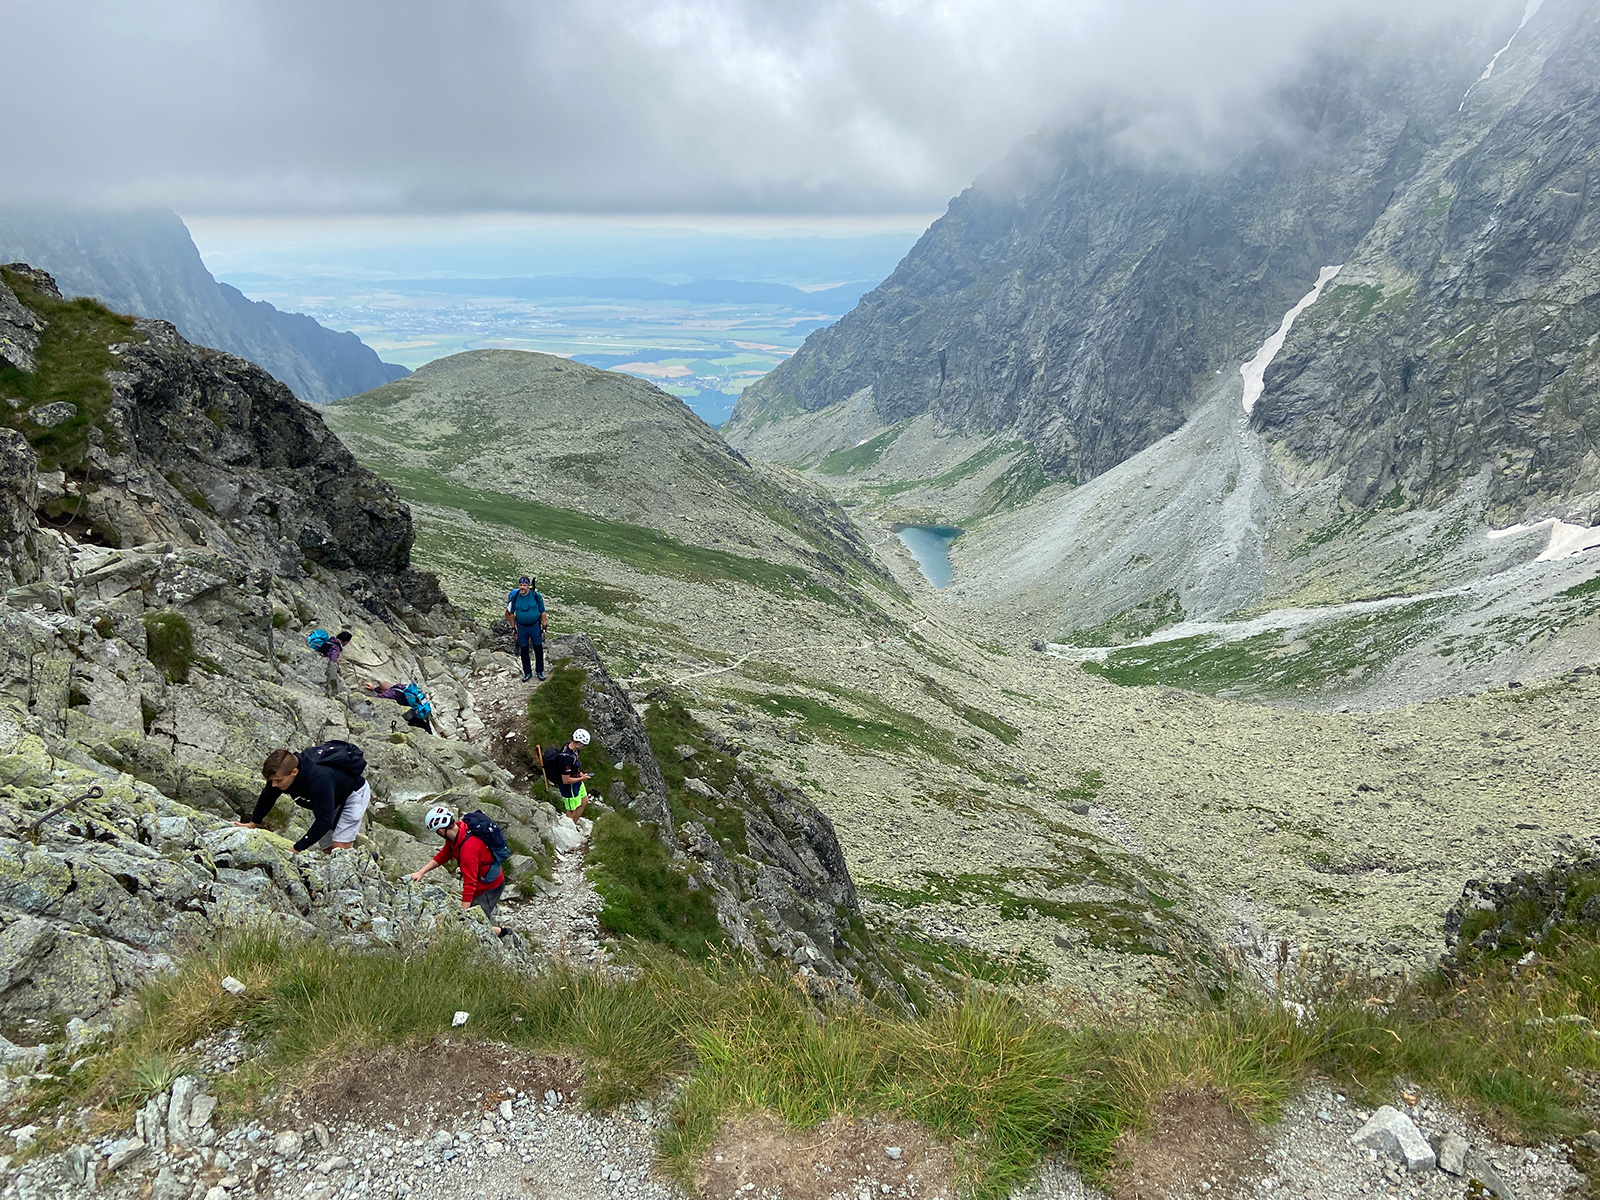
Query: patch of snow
point(1527, 15)
point(1566, 540)
point(1255, 370)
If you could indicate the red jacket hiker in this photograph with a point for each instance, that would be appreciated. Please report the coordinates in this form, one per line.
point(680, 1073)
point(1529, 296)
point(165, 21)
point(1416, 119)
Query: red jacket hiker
point(475, 861)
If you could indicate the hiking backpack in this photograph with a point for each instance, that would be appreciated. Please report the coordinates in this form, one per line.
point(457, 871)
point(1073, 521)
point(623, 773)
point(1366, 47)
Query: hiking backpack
point(319, 640)
point(416, 700)
point(551, 762)
point(482, 827)
point(341, 756)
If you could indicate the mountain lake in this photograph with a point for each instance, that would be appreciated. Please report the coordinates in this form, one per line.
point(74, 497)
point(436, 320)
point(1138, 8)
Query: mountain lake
point(930, 546)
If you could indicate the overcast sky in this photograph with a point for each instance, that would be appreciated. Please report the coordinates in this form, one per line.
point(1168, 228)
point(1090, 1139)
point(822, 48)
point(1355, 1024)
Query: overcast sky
point(720, 106)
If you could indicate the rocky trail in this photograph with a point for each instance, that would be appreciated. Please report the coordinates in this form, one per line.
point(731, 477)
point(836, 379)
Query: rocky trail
point(563, 921)
point(560, 916)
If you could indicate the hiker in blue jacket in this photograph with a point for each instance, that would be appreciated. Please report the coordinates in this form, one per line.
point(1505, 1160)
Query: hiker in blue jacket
point(419, 712)
point(525, 613)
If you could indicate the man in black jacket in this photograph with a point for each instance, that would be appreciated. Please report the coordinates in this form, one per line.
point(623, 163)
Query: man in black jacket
point(337, 799)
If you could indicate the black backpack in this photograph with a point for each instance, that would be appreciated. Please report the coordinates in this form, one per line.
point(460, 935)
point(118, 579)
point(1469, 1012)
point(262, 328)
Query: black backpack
point(341, 756)
point(482, 827)
point(554, 759)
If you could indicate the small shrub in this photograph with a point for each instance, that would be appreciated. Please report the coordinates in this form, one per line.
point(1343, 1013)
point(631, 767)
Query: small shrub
point(280, 620)
point(169, 641)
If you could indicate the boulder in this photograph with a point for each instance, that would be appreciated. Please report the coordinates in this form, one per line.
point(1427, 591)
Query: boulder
point(1389, 1131)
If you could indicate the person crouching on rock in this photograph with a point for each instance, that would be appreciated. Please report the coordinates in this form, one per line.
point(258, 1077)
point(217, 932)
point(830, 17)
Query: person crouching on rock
point(525, 612)
point(330, 780)
point(482, 879)
point(570, 775)
point(419, 709)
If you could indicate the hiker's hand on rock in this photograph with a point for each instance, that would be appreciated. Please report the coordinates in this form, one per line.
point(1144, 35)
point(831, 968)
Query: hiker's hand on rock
point(246, 825)
point(415, 876)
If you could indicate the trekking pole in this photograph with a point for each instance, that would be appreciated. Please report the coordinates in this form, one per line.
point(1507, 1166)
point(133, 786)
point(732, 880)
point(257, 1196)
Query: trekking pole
point(540, 751)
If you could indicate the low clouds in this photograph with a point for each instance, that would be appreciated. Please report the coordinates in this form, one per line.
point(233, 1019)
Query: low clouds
point(313, 106)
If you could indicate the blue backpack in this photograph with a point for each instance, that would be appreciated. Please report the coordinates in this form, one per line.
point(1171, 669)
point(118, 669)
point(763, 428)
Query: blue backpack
point(319, 639)
point(416, 700)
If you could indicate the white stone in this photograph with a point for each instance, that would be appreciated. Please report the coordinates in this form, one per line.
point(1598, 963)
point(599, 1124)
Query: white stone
point(200, 1111)
point(893, 1152)
point(505, 1109)
point(459, 1020)
point(1391, 1132)
point(124, 1151)
point(1452, 1154)
point(565, 836)
point(232, 986)
point(288, 1143)
point(184, 1089)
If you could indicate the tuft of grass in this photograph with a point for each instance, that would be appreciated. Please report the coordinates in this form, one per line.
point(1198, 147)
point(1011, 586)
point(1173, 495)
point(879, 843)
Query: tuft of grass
point(555, 709)
point(1000, 728)
point(74, 357)
point(647, 896)
point(169, 643)
point(1006, 1085)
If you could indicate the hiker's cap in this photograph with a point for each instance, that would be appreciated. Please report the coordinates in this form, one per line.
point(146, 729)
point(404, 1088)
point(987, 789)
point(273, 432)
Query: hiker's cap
point(439, 818)
point(581, 736)
point(523, 580)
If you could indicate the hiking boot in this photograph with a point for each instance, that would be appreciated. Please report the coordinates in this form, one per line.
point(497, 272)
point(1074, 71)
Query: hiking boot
point(526, 677)
point(540, 674)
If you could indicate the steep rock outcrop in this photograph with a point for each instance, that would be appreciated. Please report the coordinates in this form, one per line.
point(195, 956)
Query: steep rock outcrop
point(1461, 335)
point(787, 893)
point(1077, 294)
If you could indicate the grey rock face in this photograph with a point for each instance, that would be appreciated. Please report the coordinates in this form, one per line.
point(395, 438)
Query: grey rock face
point(262, 459)
point(1078, 292)
point(146, 264)
point(19, 331)
point(793, 881)
point(1460, 336)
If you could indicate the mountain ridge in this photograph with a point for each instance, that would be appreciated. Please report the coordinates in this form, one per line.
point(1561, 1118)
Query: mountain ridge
point(145, 264)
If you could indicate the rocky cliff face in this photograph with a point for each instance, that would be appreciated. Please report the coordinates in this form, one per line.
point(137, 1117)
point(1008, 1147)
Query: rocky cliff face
point(159, 574)
point(1460, 337)
point(1078, 292)
point(144, 263)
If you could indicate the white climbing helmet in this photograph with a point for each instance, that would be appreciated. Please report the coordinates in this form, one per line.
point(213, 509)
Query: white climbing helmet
point(439, 818)
point(581, 736)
